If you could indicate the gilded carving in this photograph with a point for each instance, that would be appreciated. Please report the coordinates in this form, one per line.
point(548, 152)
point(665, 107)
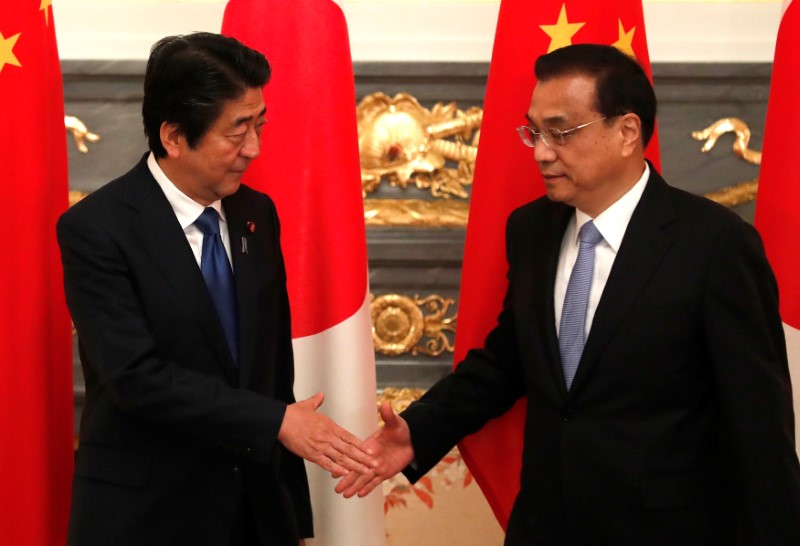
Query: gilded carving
point(437, 325)
point(75, 196)
point(729, 125)
point(403, 142)
point(80, 133)
point(399, 398)
point(416, 212)
point(744, 192)
point(398, 324)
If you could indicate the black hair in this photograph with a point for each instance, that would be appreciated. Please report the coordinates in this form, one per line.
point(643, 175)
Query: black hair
point(621, 85)
point(189, 78)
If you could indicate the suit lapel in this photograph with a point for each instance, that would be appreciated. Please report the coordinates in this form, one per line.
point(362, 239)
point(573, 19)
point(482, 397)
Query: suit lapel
point(246, 278)
point(547, 256)
point(164, 240)
point(640, 253)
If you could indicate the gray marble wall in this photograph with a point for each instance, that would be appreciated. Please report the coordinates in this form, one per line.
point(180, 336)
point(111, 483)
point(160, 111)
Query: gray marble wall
point(107, 96)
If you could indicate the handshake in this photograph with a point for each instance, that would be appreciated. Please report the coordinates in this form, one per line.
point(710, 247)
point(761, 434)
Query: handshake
point(361, 465)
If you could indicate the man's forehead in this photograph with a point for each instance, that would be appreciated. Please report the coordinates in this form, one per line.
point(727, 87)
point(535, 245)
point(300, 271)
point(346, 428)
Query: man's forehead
point(561, 98)
point(241, 109)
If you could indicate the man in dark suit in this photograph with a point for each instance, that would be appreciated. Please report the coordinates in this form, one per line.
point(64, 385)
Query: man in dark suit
point(659, 413)
point(176, 284)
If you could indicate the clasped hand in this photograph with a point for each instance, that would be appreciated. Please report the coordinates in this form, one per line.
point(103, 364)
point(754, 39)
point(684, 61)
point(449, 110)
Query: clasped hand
point(391, 448)
point(316, 438)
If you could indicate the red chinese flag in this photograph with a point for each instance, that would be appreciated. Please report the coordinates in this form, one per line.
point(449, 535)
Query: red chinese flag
point(778, 203)
point(506, 176)
point(309, 165)
point(35, 344)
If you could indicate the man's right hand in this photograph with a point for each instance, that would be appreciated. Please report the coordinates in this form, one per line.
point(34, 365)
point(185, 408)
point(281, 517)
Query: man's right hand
point(391, 446)
point(316, 438)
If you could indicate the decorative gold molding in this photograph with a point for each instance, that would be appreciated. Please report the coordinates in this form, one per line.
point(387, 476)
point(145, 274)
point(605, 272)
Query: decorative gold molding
point(80, 133)
point(416, 213)
point(398, 324)
point(401, 142)
point(75, 196)
point(738, 194)
point(743, 192)
point(399, 398)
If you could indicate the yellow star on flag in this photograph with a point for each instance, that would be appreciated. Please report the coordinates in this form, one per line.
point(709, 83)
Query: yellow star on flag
point(7, 51)
point(44, 6)
point(562, 32)
point(625, 41)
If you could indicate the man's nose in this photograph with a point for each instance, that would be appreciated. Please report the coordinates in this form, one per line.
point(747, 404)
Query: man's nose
point(543, 153)
point(251, 148)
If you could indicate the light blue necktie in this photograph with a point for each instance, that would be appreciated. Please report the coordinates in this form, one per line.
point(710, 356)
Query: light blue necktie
point(218, 275)
point(572, 333)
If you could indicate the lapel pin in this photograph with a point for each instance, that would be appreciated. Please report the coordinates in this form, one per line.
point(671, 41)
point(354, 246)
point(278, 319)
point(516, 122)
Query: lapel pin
point(251, 226)
point(244, 245)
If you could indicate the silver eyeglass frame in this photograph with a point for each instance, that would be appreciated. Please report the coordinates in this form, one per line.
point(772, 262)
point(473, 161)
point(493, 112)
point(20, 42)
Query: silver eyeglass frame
point(530, 137)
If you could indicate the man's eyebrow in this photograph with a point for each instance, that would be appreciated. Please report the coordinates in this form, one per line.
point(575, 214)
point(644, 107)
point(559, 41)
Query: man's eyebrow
point(552, 120)
point(245, 119)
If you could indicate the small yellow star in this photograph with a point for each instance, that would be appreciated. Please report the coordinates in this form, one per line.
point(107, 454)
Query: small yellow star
point(46, 4)
point(625, 41)
point(7, 51)
point(562, 32)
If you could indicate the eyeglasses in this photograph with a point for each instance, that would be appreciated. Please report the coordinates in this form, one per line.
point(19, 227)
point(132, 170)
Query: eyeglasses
point(549, 136)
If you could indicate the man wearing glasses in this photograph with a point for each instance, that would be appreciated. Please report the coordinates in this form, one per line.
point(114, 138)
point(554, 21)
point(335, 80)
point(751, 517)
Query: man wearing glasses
point(641, 322)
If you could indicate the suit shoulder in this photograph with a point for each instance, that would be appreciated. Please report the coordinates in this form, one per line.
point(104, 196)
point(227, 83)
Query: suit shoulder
point(254, 197)
point(104, 200)
point(541, 209)
point(705, 212)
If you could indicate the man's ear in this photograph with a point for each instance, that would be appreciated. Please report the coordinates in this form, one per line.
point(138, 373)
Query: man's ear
point(172, 139)
point(631, 130)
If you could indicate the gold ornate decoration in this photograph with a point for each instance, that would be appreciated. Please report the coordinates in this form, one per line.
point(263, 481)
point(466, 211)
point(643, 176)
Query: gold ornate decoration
point(735, 195)
point(401, 141)
point(399, 398)
point(416, 212)
point(743, 192)
point(398, 324)
point(75, 196)
point(80, 133)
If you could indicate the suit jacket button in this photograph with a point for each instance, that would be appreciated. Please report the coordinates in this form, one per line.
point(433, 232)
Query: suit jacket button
point(236, 469)
point(567, 416)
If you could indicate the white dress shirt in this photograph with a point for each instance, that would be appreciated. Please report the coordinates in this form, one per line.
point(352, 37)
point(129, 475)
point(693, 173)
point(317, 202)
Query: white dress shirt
point(188, 210)
point(611, 223)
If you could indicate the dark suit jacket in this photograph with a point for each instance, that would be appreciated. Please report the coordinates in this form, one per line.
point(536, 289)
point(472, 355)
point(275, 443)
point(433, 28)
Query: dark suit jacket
point(678, 429)
point(174, 433)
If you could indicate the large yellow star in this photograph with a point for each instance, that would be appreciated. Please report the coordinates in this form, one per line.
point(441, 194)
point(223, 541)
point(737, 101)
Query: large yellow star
point(625, 41)
point(7, 51)
point(44, 6)
point(562, 32)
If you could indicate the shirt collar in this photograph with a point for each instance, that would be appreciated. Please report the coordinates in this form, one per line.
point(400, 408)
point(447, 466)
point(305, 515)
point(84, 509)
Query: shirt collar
point(612, 222)
point(186, 209)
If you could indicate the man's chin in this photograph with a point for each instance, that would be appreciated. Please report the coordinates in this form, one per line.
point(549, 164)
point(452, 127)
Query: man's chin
point(231, 186)
point(553, 195)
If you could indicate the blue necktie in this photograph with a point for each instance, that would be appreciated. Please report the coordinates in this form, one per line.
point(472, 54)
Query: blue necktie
point(218, 275)
point(572, 333)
